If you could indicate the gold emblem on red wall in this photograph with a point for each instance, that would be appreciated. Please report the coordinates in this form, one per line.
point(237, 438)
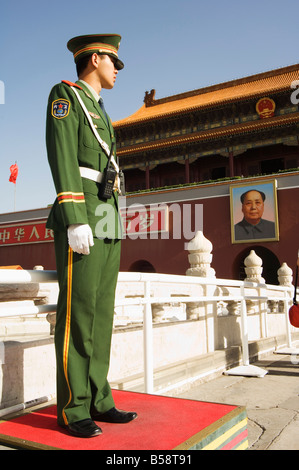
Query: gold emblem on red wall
point(265, 108)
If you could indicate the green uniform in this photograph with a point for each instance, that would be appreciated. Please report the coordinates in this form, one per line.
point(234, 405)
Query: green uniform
point(87, 282)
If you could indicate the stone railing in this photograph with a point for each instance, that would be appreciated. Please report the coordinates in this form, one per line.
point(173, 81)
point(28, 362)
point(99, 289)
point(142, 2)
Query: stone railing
point(200, 258)
point(201, 312)
point(26, 296)
point(29, 296)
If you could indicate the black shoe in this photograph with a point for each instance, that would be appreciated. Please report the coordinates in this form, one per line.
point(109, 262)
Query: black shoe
point(84, 428)
point(115, 416)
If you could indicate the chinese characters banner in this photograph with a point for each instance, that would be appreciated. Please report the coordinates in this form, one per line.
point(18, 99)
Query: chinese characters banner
point(145, 220)
point(135, 220)
point(19, 234)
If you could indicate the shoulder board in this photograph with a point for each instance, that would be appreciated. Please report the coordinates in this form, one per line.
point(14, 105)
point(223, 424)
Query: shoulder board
point(71, 84)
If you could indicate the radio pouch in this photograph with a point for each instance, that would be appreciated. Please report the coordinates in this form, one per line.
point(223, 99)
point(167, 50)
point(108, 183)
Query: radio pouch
point(108, 180)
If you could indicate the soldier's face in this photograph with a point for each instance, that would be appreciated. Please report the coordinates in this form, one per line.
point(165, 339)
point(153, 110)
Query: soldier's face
point(106, 71)
point(253, 207)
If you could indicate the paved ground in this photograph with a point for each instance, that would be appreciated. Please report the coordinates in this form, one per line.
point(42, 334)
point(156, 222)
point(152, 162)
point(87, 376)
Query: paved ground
point(272, 402)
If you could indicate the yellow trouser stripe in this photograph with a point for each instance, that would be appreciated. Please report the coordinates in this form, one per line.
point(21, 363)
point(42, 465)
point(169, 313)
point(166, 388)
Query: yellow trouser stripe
point(67, 326)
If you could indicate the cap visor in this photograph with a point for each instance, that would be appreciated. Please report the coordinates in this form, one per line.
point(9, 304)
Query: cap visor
point(119, 65)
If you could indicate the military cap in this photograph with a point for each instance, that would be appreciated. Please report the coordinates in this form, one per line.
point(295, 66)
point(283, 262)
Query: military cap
point(107, 44)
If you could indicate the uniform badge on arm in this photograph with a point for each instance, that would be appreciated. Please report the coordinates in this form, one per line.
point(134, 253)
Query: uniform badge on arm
point(60, 108)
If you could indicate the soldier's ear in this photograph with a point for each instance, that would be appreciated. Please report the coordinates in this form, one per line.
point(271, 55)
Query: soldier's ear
point(95, 59)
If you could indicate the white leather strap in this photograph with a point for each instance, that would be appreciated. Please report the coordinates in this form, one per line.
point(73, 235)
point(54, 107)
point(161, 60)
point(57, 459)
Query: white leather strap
point(102, 143)
point(91, 174)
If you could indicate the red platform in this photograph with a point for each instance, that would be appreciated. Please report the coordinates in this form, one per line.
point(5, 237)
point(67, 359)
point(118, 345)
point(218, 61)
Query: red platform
point(163, 423)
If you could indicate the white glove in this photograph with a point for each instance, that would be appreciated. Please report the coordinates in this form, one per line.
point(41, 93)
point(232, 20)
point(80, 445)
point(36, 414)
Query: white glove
point(80, 238)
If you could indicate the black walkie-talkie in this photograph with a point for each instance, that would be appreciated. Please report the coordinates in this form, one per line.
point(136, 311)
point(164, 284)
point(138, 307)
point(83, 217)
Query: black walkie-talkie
point(109, 175)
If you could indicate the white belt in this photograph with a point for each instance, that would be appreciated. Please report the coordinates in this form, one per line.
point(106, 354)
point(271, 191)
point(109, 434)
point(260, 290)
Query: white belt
point(96, 176)
point(91, 174)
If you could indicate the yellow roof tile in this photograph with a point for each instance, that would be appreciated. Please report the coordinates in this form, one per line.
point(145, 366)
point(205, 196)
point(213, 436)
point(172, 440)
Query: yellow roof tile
point(257, 85)
point(210, 134)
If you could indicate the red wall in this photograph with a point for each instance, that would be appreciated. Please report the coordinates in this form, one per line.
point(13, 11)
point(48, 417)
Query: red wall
point(169, 256)
point(29, 255)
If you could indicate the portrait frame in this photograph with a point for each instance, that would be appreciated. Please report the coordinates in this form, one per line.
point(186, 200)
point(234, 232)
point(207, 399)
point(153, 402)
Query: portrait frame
point(240, 231)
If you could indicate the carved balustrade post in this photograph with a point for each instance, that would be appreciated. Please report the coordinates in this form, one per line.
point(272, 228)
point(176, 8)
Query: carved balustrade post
point(285, 278)
point(254, 268)
point(200, 258)
point(285, 275)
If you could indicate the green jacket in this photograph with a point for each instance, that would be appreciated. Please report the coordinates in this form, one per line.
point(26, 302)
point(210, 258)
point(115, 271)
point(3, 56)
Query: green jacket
point(70, 144)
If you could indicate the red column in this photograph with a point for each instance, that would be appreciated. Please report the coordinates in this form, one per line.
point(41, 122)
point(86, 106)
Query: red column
point(187, 170)
point(231, 163)
point(147, 177)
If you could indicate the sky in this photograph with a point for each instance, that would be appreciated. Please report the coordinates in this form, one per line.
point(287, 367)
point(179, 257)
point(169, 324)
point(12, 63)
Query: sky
point(172, 46)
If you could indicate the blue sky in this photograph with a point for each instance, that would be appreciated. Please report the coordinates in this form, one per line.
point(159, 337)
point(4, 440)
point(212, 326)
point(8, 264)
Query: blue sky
point(170, 45)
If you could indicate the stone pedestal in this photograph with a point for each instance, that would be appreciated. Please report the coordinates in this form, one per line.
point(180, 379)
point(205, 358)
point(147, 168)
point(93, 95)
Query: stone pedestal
point(253, 268)
point(200, 257)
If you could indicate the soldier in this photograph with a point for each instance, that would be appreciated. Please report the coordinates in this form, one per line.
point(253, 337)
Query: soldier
point(87, 233)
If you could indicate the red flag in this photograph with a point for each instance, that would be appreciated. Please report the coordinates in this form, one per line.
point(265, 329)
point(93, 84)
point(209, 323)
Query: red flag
point(13, 173)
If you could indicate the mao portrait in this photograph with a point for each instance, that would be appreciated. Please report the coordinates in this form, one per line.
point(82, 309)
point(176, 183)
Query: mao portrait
point(254, 215)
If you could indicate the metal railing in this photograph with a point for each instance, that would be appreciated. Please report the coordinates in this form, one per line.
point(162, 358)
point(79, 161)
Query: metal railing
point(147, 301)
point(285, 295)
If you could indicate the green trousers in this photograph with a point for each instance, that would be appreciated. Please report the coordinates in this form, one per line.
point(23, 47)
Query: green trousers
point(83, 329)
